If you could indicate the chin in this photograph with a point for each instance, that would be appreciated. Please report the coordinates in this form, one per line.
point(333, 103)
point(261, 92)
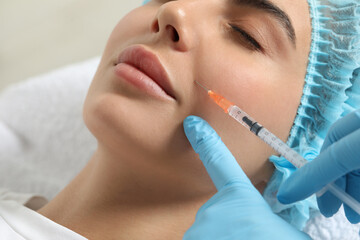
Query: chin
point(126, 124)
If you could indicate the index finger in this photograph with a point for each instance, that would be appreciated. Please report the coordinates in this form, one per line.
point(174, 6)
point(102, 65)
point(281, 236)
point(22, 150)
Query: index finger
point(216, 157)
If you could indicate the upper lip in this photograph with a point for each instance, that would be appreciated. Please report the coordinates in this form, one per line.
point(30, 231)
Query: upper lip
point(148, 63)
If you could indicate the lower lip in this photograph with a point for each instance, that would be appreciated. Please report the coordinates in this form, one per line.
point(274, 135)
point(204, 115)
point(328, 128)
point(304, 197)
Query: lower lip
point(140, 80)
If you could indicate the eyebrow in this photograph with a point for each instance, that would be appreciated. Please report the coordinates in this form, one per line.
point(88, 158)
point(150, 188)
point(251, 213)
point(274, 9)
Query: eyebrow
point(269, 7)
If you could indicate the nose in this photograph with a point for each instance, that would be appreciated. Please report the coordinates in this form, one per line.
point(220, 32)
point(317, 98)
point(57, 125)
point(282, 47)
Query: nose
point(172, 24)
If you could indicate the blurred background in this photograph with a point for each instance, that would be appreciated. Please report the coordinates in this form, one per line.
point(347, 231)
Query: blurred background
point(37, 36)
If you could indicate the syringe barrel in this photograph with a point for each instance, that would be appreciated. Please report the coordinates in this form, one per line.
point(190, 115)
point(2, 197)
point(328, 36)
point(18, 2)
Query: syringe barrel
point(244, 119)
point(273, 141)
point(280, 147)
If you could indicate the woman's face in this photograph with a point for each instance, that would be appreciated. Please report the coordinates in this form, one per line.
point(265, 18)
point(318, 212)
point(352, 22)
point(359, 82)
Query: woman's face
point(252, 52)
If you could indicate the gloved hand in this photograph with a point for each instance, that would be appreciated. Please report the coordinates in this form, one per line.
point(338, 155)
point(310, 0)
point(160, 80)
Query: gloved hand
point(237, 210)
point(339, 160)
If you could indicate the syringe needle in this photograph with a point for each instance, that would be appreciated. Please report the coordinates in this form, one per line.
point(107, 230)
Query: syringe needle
point(202, 86)
point(218, 99)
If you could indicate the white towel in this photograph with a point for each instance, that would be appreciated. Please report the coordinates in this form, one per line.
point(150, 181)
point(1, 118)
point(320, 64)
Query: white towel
point(44, 142)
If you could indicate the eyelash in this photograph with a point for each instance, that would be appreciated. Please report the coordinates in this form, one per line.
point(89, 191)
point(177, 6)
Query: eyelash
point(251, 42)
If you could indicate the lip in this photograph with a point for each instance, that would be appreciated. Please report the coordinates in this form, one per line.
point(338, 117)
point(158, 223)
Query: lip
point(145, 67)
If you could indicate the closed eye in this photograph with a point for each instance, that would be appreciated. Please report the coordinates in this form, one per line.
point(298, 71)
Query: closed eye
point(244, 36)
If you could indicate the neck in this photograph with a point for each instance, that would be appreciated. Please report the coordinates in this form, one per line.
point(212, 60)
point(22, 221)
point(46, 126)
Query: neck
point(122, 197)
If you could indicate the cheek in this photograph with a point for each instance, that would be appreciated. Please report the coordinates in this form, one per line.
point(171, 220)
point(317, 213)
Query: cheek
point(267, 93)
point(261, 90)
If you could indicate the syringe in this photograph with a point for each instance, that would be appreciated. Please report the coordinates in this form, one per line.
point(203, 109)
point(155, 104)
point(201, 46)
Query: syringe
point(277, 144)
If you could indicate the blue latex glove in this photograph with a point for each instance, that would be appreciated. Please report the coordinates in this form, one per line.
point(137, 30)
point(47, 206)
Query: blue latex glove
point(339, 160)
point(237, 210)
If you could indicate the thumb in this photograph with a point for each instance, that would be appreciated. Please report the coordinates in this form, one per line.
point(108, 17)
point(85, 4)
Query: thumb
point(217, 159)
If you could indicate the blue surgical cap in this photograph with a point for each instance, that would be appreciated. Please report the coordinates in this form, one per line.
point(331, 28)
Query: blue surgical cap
point(331, 90)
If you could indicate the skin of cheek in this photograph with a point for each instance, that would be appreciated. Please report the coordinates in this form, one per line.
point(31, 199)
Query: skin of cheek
point(261, 91)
